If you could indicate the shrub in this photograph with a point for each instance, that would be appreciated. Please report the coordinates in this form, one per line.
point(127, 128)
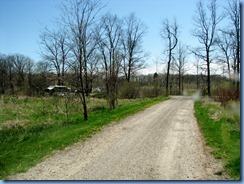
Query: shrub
point(226, 94)
point(150, 91)
point(129, 90)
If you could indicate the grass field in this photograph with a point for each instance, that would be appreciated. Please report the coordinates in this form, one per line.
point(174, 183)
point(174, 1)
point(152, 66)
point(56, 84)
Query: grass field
point(221, 129)
point(32, 128)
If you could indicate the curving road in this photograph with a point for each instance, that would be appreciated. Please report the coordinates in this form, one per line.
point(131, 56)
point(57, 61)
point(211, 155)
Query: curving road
point(162, 142)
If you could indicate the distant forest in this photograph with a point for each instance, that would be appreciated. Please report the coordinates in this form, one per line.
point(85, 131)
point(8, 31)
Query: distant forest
point(22, 76)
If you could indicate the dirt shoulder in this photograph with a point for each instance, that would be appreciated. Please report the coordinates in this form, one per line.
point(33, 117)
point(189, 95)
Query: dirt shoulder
point(162, 142)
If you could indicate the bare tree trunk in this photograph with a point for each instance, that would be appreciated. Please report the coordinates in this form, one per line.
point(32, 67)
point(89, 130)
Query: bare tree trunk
point(132, 46)
point(208, 77)
point(83, 98)
point(129, 72)
point(170, 33)
point(234, 13)
point(110, 47)
point(59, 79)
point(206, 26)
point(179, 83)
point(182, 83)
point(167, 79)
point(238, 61)
point(86, 81)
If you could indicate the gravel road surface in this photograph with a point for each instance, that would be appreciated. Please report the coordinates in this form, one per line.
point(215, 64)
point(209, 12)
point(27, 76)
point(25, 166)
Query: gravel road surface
point(162, 142)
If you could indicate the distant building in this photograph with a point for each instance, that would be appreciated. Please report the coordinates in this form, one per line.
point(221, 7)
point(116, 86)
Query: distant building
point(57, 90)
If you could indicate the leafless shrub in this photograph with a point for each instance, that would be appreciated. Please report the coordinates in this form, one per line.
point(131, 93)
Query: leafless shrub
point(224, 95)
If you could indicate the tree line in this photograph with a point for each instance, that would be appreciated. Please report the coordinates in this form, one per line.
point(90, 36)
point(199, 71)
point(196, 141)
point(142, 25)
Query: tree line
point(217, 44)
point(87, 46)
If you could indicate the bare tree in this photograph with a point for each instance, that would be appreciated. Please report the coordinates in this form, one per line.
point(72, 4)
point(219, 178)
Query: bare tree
point(225, 44)
point(169, 32)
point(41, 79)
point(110, 48)
point(133, 59)
point(65, 49)
point(14, 72)
point(80, 16)
point(50, 50)
point(5, 72)
point(30, 74)
point(20, 63)
point(93, 69)
point(233, 13)
point(205, 31)
point(180, 65)
point(55, 49)
point(198, 67)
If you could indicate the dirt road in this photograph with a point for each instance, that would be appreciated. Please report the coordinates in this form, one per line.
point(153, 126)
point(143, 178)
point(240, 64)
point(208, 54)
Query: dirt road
point(162, 142)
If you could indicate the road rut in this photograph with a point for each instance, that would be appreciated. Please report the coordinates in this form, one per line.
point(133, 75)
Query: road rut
point(162, 142)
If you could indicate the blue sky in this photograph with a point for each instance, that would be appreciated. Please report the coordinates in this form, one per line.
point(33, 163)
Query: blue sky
point(22, 20)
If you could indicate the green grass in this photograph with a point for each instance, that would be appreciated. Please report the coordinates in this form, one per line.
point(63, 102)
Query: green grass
point(221, 130)
point(40, 126)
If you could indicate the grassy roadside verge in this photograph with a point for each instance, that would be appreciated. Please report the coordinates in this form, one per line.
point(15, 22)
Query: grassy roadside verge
point(221, 129)
point(24, 147)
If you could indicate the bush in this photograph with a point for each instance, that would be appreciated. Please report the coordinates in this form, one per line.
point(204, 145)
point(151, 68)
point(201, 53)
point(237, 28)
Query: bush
point(150, 91)
point(129, 90)
point(132, 90)
point(226, 94)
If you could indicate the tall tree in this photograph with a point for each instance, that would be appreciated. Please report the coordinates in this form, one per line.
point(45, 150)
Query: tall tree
point(55, 49)
point(110, 48)
point(197, 65)
point(180, 65)
point(206, 21)
point(80, 16)
point(93, 69)
point(30, 72)
point(42, 74)
point(65, 49)
point(225, 44)
point(233, 12)
point(20, 63)
point(10, 72)
point(4, 73)
point(132, 45)
point(169, 32)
